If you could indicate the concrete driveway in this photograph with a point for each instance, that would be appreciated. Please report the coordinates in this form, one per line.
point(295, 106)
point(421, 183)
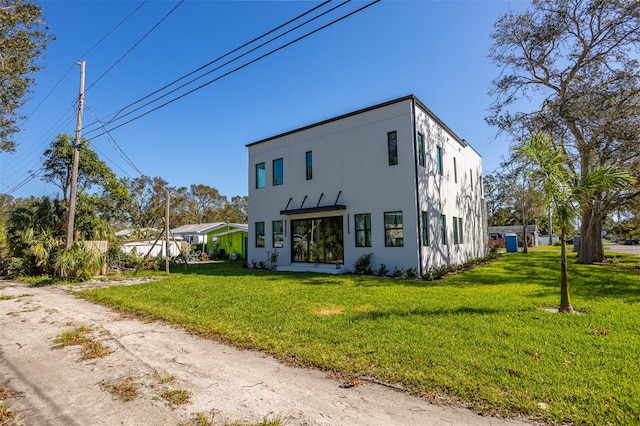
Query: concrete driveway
point(622, 248)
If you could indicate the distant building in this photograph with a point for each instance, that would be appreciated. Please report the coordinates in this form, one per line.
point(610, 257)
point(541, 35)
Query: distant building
point(498, 232)
point(392, 180)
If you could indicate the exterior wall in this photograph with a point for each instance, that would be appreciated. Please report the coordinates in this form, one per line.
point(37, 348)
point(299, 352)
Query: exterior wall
point(457, 193)
point(351, 168)
point(231, 243)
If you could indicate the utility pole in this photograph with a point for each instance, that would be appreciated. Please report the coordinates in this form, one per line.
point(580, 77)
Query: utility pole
point(166, 232)
point(76, 159)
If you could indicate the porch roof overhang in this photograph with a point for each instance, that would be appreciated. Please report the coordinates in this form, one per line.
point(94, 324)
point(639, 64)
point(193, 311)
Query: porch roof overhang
point(314, 209)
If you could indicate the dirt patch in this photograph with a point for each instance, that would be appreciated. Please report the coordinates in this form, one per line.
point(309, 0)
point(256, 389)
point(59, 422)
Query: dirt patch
point(157, 374)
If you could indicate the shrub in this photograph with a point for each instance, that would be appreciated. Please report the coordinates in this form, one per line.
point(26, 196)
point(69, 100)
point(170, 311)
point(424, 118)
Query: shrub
point(363, 265)
point(412, 273)
point(398, 272)
point(383, 270)
point(77, 262)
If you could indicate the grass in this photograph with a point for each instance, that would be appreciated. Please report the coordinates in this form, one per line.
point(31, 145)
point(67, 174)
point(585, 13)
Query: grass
point(125, 390)
point(6, 415)
point(479, 337)
point(89, 348)
point(175, 396)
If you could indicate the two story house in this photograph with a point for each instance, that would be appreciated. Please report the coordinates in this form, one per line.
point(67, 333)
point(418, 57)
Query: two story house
point(392, 180)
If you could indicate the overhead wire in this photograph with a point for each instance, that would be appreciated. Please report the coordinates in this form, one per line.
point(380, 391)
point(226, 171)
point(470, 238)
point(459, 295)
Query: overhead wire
point(135, 45)
point(244, 65)
point(117, 118)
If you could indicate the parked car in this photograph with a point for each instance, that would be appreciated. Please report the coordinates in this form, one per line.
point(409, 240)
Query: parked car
point(614, 239)
point(631, 242)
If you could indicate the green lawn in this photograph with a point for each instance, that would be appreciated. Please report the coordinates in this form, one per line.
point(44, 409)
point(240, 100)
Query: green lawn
point(480, 337)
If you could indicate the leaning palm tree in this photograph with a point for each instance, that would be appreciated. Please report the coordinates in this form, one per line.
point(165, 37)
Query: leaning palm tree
point(566, 191)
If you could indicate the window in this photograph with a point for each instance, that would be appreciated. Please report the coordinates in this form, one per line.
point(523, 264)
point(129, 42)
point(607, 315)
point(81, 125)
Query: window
point(363, 230)
point(277, 234)
point(455, 230)
point(278, 172)
point(471, 177)
point(443, 229)
point(393, 232)
point(421, 150)
point(460, 240)
point(260, 175)
point(425, 228)
point(455, 170)
point(392, 146)
point(259, 234)
point(309, 159)
point(439, 161)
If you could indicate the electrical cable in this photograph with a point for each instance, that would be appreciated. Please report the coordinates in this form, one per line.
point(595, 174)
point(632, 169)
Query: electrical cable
point(134, 45)
point(116, 118)
point(244, 65)
point(221, 57)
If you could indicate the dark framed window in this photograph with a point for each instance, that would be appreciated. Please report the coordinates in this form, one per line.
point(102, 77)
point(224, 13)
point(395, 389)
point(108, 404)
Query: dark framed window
point(392, 147)
point(471, 177)
point(393, 229)
point(277, 234)
point(425, 228)
point(455, 231)
point(261, 175)
point(439, 165)
point(259, 234)
point(421, 159)
point(363, 229)
point(443, 229)
point(278, 172)
point(460, 239)
point(455, 170)
point(309, 164)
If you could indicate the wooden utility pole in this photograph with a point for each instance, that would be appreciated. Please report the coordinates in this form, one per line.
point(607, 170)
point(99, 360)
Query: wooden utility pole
point(76, 160)
point(166, 233)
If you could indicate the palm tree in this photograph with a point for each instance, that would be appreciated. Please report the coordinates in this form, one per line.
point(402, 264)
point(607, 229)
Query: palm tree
point(566, 191)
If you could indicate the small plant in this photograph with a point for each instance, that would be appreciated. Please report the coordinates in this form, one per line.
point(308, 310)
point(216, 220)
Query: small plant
point(254, 264)
point(125, 390)
point(412, 273)
point(175, 397)
point(383, 270)
point(362, 266)
point(273, 259)
point(398, 272)
point(262, 265)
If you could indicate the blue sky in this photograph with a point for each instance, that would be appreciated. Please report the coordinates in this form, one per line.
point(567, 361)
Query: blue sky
point(436, 50)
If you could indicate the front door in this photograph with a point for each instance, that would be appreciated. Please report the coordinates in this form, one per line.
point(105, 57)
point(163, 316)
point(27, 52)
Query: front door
point(317, 240)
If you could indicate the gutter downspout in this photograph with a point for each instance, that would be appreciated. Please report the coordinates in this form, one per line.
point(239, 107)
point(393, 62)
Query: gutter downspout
point(415, 166)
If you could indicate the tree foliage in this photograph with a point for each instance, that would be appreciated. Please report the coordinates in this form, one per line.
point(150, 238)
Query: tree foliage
point(92, 172)
point(23, 37)
point(566, 192)
point(575, 62)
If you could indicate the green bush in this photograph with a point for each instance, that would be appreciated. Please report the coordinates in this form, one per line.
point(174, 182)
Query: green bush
point(77, 263)
point(383, 270)
point(363, 265)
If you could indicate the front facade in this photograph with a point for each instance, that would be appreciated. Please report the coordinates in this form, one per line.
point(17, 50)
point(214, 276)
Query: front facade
point(391, 180)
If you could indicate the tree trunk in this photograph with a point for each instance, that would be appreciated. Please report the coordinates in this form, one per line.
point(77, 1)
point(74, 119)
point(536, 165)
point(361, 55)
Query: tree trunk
point(565, 298)
point(591, 249)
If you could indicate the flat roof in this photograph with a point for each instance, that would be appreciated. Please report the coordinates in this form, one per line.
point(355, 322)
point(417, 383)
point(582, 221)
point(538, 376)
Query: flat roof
point(361, 111)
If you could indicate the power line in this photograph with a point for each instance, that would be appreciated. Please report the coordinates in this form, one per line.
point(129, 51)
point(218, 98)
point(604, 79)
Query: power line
point(244, 65)
point(116, 118)
point(221, 57)
point(135, 45)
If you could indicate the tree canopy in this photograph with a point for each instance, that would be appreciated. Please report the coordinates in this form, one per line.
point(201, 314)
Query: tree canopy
point(23, 37)
point(575, 63)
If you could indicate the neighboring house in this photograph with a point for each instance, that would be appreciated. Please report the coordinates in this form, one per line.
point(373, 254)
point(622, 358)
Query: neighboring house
point(152, 247)
point(497, 233)
point(392, 180)
point(216, 238)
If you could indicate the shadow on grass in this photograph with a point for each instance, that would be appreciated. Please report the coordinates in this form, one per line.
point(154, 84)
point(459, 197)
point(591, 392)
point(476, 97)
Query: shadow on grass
point(423, 312)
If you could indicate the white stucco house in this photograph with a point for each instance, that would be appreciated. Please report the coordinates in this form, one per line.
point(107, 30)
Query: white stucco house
point(391, 179)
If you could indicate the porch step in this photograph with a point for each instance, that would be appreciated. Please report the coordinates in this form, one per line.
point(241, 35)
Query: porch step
point(322, 268)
